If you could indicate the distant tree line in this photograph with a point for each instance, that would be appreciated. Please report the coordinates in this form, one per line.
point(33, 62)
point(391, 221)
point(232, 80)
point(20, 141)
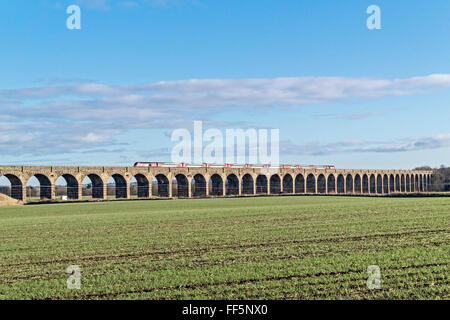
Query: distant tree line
point(440, 180)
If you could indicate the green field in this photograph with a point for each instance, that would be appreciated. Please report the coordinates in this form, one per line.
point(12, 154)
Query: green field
point(243, 248)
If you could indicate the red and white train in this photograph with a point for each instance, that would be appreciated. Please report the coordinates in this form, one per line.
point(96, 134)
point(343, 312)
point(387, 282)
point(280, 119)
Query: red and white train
point(227, 165)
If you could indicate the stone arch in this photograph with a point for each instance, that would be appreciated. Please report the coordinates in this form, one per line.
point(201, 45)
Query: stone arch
point(198, 185)
point(428, 183)
point(71, 187)
point(397, 183)
point(331, 182)
point(340, 184)
point(391, 183)
point(182, 186)
point(247, 184)
point(379, 184)
point(365, 183)
point(421, 183)
point(408, 184)
point(261, 184)
point(162, 185)
point(402, 183)
point(275, 184)
point(417, 183)
point(321, 184)
point(372, 184)
point(93, 188)
point(311, 184)
point(288, 184)
point(299, 184)
point(358, 183)
point(385, 183)
point(216, 183)
point(45, 186)
point(232, 185)
point(121, 186)
point(413, 183)
point(349, 183)
point(15, 189)
point(142, 187)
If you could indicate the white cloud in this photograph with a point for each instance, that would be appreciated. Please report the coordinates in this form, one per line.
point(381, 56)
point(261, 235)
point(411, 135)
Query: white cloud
point(359, 146)
point(79, 115)
point(243, 92)
point(93, 138)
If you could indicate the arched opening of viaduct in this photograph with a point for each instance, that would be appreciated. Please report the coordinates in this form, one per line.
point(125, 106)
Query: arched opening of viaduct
point(216, 185)
point(40, 187)
point(288, 184)
point(247, 184)
point(67, 185)
point(300, 184)
point(331, 181)
point(139, 186)
point(12, 186)
point(321, 184)
point(199, 187)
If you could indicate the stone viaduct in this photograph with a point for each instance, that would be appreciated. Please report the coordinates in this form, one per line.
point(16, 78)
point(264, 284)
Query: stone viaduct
point(203, 182)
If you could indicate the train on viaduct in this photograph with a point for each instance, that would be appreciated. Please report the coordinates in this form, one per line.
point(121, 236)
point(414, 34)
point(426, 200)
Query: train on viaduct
point(187, 182)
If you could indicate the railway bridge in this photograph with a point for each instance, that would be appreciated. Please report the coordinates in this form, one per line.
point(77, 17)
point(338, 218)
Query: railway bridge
point(203, 182)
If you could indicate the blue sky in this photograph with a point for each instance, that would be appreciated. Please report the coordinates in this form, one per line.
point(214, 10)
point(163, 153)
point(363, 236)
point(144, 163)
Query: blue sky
point(110, 93)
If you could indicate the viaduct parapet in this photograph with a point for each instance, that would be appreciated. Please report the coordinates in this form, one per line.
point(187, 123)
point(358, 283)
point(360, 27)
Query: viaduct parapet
point(202, 182)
